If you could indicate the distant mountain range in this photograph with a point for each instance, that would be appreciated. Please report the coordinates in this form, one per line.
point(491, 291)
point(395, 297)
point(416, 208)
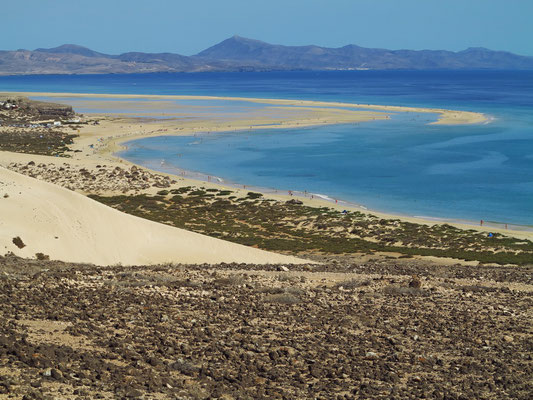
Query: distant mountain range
point(241, 54)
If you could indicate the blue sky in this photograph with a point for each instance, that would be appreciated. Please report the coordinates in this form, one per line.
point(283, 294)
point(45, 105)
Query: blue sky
point(187, 27)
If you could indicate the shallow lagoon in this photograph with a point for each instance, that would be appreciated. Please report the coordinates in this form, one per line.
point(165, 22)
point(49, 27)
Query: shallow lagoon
point(403, 165)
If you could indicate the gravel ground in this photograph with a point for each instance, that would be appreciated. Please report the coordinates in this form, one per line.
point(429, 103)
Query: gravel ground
point(378, 330)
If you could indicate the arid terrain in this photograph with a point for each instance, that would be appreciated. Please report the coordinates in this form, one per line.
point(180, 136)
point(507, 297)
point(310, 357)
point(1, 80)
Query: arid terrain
point(340, 330)
point(29, 127)
point(385, 308)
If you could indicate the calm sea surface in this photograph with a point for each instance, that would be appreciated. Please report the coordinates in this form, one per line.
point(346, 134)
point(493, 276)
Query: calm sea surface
point(401, 166)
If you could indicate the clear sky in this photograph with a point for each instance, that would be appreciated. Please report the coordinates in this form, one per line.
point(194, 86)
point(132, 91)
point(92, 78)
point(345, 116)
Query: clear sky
point(189, 26)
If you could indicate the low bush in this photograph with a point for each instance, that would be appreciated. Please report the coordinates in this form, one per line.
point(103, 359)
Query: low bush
point(282, 298)
point(395, 290)
point(17, 241)
point(42, 257)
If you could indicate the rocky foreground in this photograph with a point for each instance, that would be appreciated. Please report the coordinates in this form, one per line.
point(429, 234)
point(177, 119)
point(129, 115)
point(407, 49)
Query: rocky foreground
point(385, 329)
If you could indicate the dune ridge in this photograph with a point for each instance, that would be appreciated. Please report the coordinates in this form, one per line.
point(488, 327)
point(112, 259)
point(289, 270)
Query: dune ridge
point(68, 226)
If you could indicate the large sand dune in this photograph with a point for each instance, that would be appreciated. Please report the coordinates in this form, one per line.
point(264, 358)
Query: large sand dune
point(68, 226)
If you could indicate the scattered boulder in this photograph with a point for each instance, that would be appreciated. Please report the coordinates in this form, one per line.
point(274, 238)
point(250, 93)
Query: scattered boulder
point(294, 202)
point(17, 241)
point(415, 282)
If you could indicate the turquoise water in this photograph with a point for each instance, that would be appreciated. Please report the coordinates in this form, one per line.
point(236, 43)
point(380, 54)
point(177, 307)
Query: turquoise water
point(402, 166)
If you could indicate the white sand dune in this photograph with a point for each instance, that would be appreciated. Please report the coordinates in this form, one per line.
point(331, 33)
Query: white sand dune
point(70, 227)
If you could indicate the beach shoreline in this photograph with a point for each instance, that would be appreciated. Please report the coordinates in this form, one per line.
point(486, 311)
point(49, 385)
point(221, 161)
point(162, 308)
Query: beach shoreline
point(113, 132)
point(314, 199)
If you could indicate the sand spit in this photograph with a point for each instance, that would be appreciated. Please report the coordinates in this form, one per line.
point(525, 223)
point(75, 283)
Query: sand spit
point(68, 226)
point(446, 117)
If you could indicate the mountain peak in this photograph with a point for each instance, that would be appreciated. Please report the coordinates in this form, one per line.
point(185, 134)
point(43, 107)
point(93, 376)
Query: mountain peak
point(238, 38)
point(233, 47)
point(476, 50)
point(72, 49)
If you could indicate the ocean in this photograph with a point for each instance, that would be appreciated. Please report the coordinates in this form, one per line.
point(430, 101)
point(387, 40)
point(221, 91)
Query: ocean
point(402, 166)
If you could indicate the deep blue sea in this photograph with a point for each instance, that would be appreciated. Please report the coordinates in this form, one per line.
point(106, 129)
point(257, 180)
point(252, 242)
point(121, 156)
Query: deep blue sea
point(401, 166)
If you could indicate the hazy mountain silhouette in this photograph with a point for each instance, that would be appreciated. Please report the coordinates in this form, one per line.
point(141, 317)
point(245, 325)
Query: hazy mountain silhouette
point(73, 49)
point(238, 53)
point(255, 52)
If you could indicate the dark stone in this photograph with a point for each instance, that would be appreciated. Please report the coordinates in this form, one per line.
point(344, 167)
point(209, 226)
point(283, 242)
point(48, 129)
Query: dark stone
point(295, 202)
